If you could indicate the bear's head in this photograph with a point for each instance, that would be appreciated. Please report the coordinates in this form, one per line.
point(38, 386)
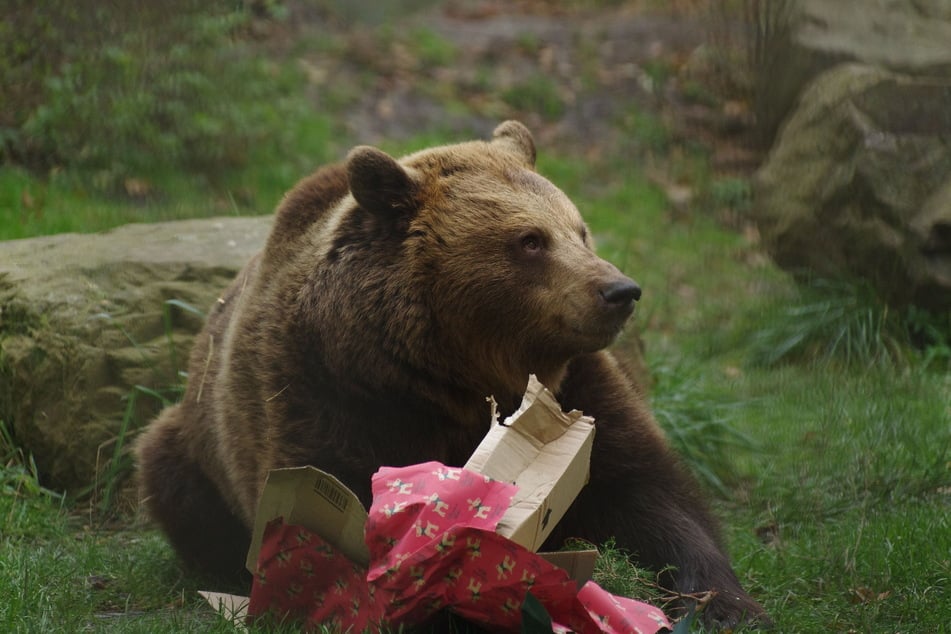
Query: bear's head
point(493, 259)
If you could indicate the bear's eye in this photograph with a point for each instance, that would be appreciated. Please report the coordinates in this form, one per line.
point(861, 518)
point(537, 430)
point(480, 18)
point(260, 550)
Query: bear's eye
point(531, 243)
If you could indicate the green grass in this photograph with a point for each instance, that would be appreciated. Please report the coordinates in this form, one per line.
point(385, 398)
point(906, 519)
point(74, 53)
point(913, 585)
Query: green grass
point(31, 205)
point(841, 516)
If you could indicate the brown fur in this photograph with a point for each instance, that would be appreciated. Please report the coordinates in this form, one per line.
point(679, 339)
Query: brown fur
point(390, 300)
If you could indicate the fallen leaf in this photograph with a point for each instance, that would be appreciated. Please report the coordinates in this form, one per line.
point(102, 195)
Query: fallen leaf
point(98, 582)
point(864, 595)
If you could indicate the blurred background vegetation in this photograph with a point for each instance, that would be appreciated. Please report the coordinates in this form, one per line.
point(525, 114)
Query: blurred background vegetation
point(189, 104)
point(154, 105)
point(216, 105)
point(106, 92)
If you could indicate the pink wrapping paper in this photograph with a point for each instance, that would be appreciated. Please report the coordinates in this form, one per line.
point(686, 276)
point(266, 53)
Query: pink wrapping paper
point(432, 546)
point(300, 578)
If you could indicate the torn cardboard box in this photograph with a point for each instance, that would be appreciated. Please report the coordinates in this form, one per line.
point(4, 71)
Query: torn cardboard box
point(544, 452)
point(309, 497)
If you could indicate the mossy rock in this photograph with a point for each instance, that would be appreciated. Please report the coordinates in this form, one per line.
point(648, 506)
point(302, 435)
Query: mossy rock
point(858, 185)
point(90, 323)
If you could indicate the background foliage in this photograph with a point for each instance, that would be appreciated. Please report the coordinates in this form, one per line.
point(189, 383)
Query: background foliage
point(115, 93)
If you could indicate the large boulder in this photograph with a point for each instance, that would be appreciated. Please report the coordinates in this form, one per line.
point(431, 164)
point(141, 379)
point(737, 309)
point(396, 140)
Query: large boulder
point(854, 97)
point(858, 184)
point(95, 330)
point(807, 37)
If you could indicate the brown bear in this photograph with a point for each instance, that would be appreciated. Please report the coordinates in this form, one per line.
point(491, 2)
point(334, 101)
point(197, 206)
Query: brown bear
point(392, 297)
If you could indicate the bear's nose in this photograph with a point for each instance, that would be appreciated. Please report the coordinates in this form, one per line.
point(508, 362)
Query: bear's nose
point(621, 293)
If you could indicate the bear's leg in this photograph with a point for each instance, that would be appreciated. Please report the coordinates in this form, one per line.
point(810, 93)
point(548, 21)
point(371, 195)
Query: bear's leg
point(201, 527)
point(641, 496)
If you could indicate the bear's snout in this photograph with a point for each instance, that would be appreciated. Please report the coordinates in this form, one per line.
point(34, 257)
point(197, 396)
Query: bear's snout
point(620, 293)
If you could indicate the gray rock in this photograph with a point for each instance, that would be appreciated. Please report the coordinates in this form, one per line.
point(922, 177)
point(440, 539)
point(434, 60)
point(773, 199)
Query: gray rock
point(901, 35)
point(905, 36)
point(858, 184)
point(85, 319)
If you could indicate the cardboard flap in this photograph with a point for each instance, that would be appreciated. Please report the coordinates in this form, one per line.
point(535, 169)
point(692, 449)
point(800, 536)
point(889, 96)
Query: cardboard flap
point(232, 608)
point(307, 496)
point(546, 453)
point(579, 564)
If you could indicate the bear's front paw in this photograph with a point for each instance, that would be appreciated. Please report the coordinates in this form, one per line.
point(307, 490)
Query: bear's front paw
point(728, 610)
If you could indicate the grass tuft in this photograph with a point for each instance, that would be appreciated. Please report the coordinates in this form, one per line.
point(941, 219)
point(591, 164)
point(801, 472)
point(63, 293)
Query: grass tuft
point(19, 477)
point(699, 424)
point(114, 474)
point(834, 321)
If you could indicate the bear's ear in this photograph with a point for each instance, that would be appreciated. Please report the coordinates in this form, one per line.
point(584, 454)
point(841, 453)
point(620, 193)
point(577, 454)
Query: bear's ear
point(518, 138)
point(378, 182)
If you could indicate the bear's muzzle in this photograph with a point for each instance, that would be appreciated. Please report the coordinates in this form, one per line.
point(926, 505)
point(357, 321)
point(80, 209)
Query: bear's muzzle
point(620, 293)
